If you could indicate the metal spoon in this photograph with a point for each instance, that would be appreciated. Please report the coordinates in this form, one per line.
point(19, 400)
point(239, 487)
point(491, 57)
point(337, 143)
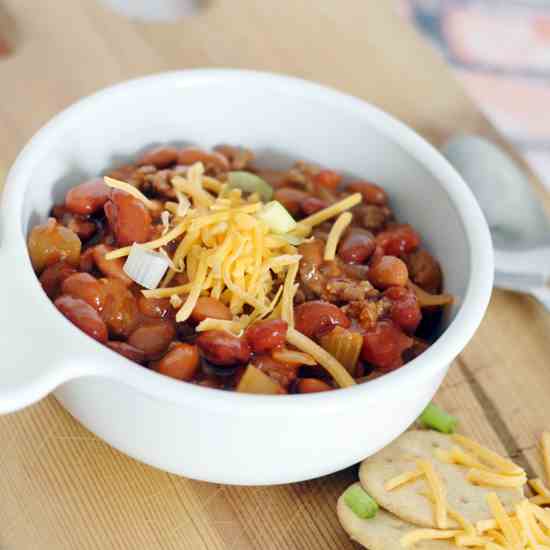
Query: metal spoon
point(518, 224)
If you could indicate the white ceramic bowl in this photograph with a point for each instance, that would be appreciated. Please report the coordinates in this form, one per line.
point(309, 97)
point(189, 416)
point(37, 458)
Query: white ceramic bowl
point(198, 432)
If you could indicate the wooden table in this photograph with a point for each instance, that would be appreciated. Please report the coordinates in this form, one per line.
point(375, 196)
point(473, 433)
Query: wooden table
point(62, 488)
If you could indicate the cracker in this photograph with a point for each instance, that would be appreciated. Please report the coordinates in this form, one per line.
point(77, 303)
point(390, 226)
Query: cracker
point(406, 502)
point(382, 532)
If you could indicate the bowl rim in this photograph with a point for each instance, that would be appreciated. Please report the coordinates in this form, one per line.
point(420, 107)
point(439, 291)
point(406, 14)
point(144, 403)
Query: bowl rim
point(437, 357)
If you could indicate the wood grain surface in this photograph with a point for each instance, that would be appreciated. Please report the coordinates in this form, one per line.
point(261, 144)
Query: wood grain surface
point(60, 487)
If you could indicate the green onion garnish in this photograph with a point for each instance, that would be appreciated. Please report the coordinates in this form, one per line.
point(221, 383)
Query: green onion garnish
point(250, 183)
point(360, 502)
point(437, 419)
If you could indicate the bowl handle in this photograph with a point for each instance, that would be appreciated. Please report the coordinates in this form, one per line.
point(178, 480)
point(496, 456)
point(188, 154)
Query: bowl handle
point(36, 356)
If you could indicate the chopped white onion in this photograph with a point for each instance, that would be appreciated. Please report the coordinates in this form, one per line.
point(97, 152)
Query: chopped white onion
point(146, 267)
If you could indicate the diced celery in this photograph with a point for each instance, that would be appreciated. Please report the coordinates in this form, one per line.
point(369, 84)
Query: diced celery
point(250, 183)
point(360, 502)
point(438, 419)
point(276, 216)
point(255, 381)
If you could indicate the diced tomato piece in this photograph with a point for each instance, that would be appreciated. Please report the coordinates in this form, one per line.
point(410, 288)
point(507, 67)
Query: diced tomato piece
point(383, 346)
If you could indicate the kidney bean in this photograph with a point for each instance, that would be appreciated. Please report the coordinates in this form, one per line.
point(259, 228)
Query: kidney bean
point(87, 288)
point(154, 307)
point(210, 307)
point(222, 348)
point(312, 385)
point(327, 179)
point(291, 199)
point(316, 318)
point(190, 155)
point(85, 229)
point(357, 246)
point(123, 173)
point(120, 311)
point(263, 336)
point(50, 243)
point(130, 352)
point(88, 197)
point(153, 338)
point(53, 276)
point(384, 345)
point(388, 271)
point(312, 205)
point(159, 157)
point(181, 362)
point(128, 217)
point(398, 240)
point(425, 271)
point(372, 193)
point(405, 311)
point(83, 315)
point(110, 268)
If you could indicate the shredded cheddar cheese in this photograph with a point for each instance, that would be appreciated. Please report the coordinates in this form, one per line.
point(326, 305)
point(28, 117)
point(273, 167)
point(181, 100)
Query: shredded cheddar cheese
point(335, 234)
point(438, 492)
point(471, 540)
point(504, 523)
point(482, 477)
point(401, 479)
point(221, 244)
point(131, 190)
point(418, 535)
point(502, 465)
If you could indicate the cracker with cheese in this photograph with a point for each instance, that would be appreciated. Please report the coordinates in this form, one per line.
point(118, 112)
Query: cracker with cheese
point(383, 532)
point(423, 475)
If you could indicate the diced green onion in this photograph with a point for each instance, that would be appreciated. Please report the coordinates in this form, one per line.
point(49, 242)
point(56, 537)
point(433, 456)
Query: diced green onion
point(276, 216)
point(360, 502)
point(250, 183)
point(437, 419)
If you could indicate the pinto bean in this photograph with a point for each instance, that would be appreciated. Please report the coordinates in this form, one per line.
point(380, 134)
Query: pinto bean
point(405, 311)
point(120, 311)
point(153, 338)
point(372, 193)
point(181, 362)
point(399, 239)
point(88, 197)
point(128, 217)
point(160, 157)
point(87, 288)
point(83, 315)
point(110, 268)
point(222, 348)
point(210, 307)
point(190, 155)
point(87, 260)
point(50, 243)
point(263, 336)
point(130, 352)
point(53, 276)
point(312, 205)
point(159, 308)
point(357, 246)
point(312, 385)
point(312, 252)
point(388, 271)
point(291, 199)
point(316, 318)
point(425, 271)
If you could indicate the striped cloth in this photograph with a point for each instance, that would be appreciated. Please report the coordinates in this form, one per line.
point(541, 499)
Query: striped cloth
point(500, 51)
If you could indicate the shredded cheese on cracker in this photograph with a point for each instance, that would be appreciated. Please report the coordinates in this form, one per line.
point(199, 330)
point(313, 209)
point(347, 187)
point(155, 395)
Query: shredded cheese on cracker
point(482, 477)
point(401, 479)
point(418, 535)
point(438, 492)
point(501, 464)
